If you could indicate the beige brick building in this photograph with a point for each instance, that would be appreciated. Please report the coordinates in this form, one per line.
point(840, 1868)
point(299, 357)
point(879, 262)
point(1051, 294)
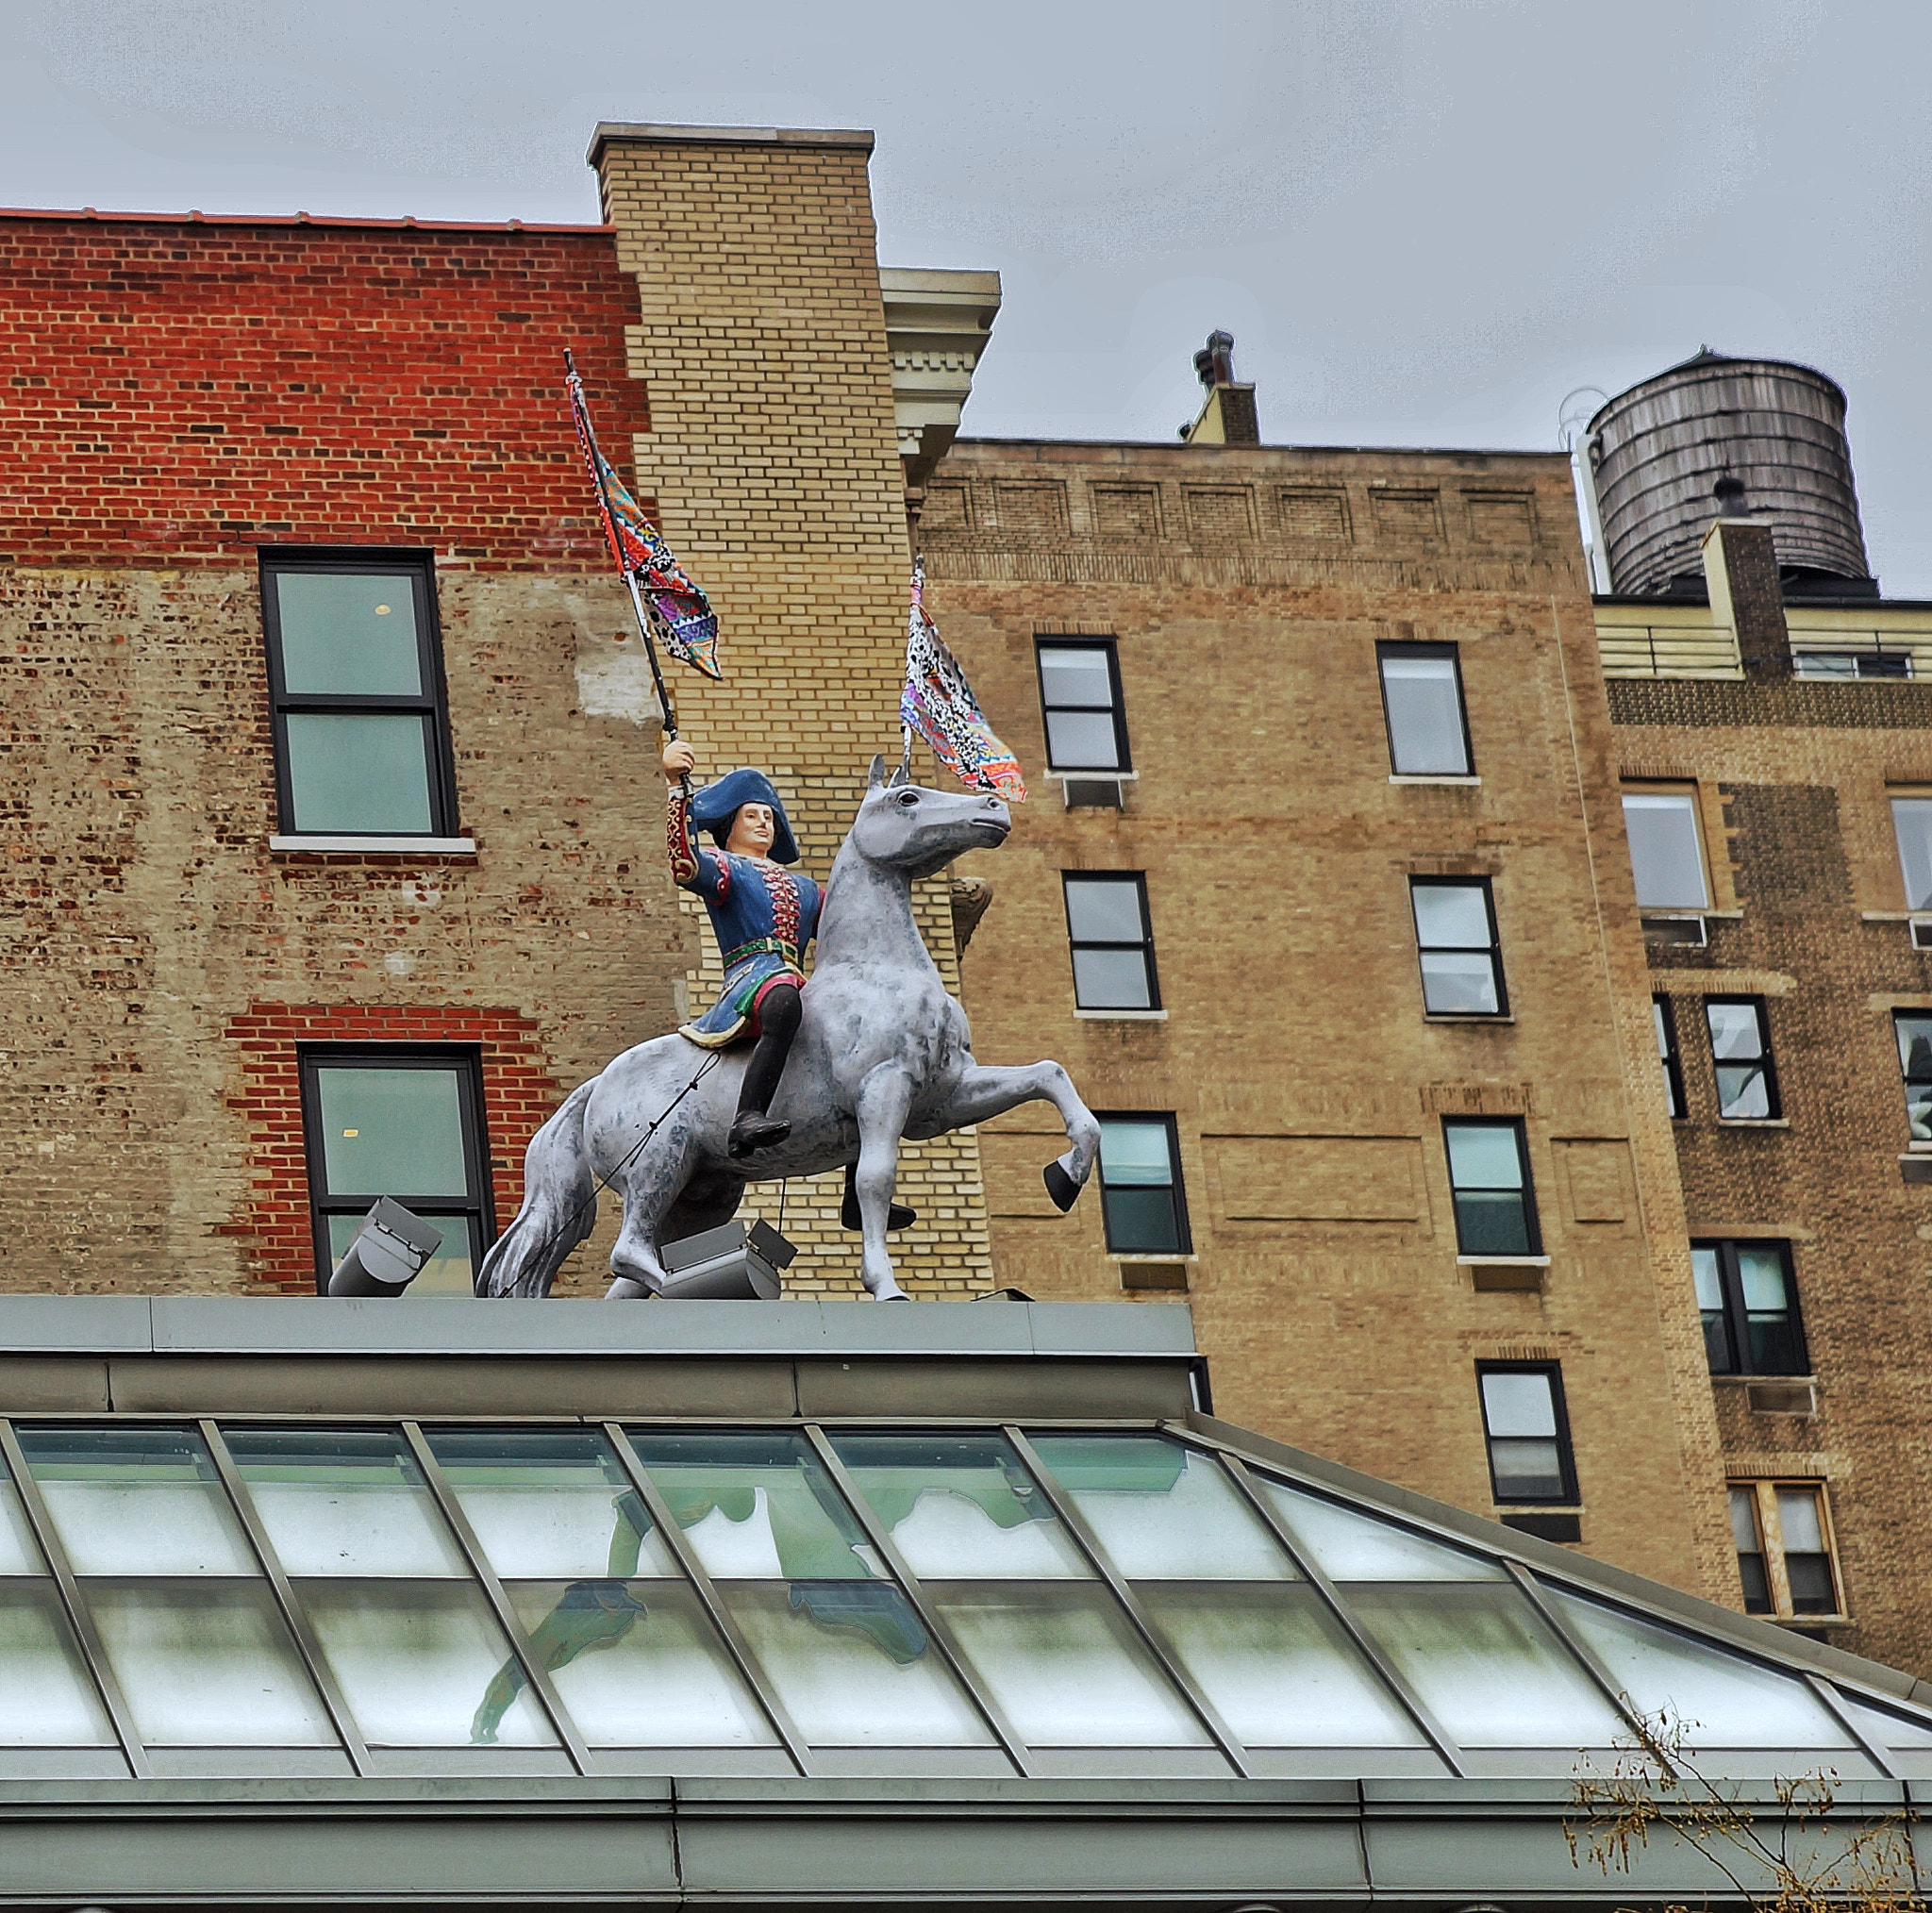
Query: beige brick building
point(1249, 598)
point(1324, 894)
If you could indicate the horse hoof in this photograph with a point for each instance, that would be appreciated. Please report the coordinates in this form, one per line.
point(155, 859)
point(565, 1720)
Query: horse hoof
point(1064, 1191)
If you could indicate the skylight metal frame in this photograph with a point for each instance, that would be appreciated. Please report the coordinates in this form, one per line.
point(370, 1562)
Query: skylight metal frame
point(1535, 1579)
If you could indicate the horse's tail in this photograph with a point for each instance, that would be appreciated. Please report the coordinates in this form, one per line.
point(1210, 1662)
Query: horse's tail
point(559, 1206)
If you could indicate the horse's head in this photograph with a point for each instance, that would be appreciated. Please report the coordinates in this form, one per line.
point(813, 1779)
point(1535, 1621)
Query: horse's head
point(904, 826)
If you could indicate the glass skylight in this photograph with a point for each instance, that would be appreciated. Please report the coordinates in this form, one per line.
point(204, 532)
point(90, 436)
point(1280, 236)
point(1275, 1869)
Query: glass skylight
point(395, 1598)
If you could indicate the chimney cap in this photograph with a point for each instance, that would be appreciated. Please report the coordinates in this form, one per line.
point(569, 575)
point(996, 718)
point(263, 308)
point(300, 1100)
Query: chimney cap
point(1214, 362)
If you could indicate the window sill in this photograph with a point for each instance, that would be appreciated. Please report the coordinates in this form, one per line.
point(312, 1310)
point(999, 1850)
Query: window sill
point(1754, 1122)
point(1081, 777)
point(1834, 1620)
point(1463, 1016)
point(1505, 1274)
point(1406, 778)
point(1151, 1255)
point(1123, 1015)
point(378, 846)
point(1502, 1261)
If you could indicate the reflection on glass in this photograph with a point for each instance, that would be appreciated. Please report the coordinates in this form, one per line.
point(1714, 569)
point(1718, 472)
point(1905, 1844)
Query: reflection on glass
point(392, 1132)
point(46, 1699)
point(1485, 1665)
point(451, 1271)
point(1666, 856)
point(636, 1666)
point(1724, 1700)
point(1914, 1034)
point(1136, 1191)
point(548, 1504)
point(1705, 1273)
point(207, 1665)
point(1065, 1665)
point(349, 634)
point(343, 1502)
point(1076, 695)
point(1911, 819)
point(421, 1664)
point(1348, 1546)
point(852, 1666)
point(1423, 702)
point(758, 1506)
point(1162, 1511)
point(1111, 979)
point(19, 1553)
point(1486, 1176)
point(364, 773)
point(1520, 1415)
point(1277, 1666)
point(136, 1501)
point(960, 1504)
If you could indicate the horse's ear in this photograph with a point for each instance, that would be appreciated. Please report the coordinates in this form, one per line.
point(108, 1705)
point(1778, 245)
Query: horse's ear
point(900, 776)
point(876, 777)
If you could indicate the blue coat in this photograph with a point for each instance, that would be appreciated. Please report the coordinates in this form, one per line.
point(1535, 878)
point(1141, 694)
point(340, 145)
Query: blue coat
point(762, 914)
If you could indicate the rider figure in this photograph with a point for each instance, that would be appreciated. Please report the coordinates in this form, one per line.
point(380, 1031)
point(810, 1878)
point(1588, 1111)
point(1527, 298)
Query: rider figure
point(764, 916)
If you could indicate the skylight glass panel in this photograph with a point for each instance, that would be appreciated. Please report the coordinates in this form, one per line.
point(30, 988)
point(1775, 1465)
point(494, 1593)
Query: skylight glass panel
point(1065, 1665)
point(1348, 1546)
point(639, 1666)
point(19, 1553)
point(1276, 1665)
point(344, 1502)
point(138, 1500)
point(960, 1506)
point(758, 1506)
point(424, 1664)
point(208, 1663)
point(546, 1505)
point(1723, 1699)
point(1162, 1511)
point(46, 1699)
point(1485, 1665)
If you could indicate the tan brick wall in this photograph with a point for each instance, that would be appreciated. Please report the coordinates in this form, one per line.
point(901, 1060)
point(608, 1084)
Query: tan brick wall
point(1276, 852)
point(773, 455)
point(146, 909)
point(1795, 777)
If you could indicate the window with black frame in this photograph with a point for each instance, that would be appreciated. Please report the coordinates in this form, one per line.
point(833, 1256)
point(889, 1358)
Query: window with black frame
point(403, 1122)
point(1142, 1203)
point(1111, 940)
point(355, 664)
point(1526, 1430)
point(1489, 1180)
point(1750, 1308)
point(1421, 701)
point(1080, 700)
point(1740, 1052)
point(1456, 938)
point(1914, 1031)
point(1669, 1057)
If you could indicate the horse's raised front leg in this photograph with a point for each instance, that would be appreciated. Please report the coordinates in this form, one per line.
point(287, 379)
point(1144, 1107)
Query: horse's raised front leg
point(984, 1092)
point(880, 1106)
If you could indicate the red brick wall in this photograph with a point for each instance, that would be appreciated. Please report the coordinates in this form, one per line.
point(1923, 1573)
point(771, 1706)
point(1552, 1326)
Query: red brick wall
point(179, 390)
point(518, 1094)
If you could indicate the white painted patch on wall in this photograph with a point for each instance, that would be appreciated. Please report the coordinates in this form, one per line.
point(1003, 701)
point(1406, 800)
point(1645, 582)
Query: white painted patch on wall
point(614, 680)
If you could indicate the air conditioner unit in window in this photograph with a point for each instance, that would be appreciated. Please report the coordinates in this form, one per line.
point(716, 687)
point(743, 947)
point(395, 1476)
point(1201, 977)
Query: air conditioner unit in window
point(1095, 793)
point(1674, 930)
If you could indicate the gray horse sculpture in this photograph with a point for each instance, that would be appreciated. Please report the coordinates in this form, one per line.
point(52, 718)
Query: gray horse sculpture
point(882, 1053)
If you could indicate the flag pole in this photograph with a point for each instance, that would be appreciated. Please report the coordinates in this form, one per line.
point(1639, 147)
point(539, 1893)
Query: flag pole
point(645, 614)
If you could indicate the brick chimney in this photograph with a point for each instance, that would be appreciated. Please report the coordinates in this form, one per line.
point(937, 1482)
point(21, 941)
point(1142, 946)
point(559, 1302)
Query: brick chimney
point(1740, 569)
point(1227, 414)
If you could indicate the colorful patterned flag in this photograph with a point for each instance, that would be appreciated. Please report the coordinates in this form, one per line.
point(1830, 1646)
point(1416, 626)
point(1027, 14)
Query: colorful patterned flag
point(685, 619)
point(939, 703)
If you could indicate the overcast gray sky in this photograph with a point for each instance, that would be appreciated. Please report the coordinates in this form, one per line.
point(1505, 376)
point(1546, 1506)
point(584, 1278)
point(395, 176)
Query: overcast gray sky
point(1425, 221)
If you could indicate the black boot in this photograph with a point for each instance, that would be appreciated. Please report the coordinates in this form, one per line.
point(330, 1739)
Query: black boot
point(897, 1217)
point(750, 1128)
point(753, 1130)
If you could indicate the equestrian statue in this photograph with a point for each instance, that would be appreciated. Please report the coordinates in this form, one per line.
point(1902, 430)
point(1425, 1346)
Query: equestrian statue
point(782, 1076)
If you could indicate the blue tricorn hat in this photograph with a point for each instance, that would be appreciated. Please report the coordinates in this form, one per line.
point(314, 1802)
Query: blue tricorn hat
point(716, 805)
